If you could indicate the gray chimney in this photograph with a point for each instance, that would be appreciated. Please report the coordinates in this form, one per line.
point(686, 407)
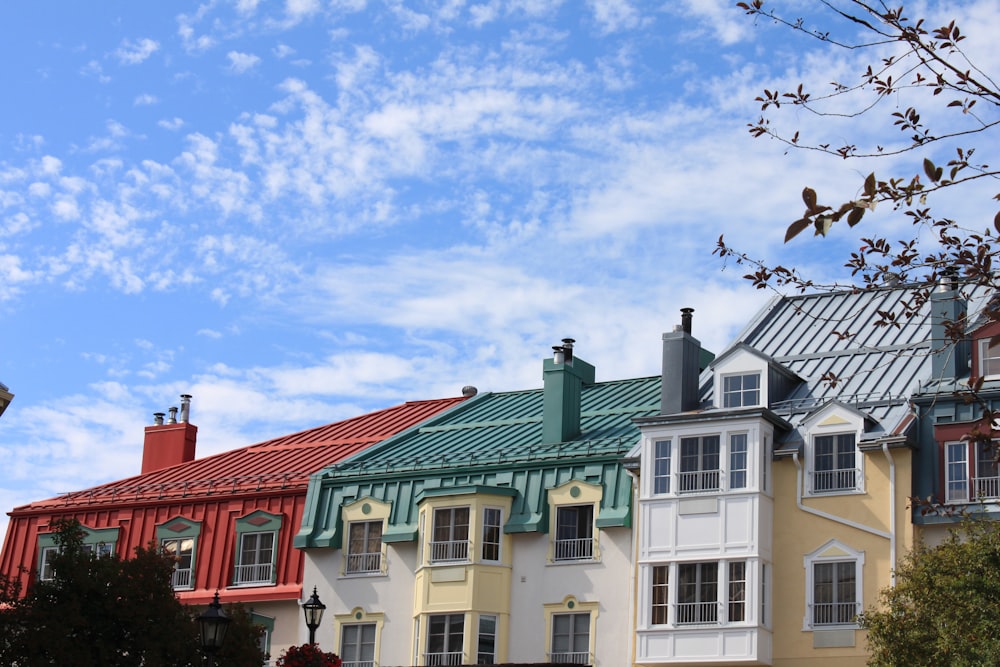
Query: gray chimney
point(948, 357)
point(681, 356)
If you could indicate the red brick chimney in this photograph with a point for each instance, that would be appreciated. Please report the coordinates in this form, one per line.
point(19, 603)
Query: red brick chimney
point(168, 444)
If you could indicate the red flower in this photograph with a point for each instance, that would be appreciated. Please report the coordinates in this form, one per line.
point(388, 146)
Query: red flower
point(308, 655)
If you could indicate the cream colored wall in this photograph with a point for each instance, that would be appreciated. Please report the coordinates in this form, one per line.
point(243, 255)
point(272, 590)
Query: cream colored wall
point(797, 533)
point(289, 624)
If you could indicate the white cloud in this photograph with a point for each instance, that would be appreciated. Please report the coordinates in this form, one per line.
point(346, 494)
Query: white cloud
point(145, 100)
point(134, 52)
point(242, 62)
point(614, 15)
point(172, 124)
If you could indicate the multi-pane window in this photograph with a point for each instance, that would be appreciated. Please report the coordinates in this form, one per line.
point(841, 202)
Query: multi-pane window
point(256, 564)
point(451, 535)
point(357, 645)
point(834, 593)
point(741, 390)
point(660, 595)
point(45, 570)
point(989, 357)
point(181, 550)
point(364, 547)
point(738, 461)
point(574, 532)
point(570, 639)
point(491, 533)
point(834, 467)
point(445, 634)
point(763, 594)
point(698, 593)
point(486, 646)
point(737, 591)
point(100, 549)
point(661, 466)
point(985, 481)
point(699, 464)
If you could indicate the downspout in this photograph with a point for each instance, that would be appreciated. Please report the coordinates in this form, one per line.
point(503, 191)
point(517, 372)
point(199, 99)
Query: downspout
point(892, 513)
point(832, 517)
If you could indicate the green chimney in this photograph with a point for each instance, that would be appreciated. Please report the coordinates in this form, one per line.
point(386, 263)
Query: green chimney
point(564, 378)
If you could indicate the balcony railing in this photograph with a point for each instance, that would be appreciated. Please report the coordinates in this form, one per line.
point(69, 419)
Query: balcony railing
point(450, 551)
point(697, 481)
point(844, 479)
point(181, 578)
point(358, 663)
point(834, 613)
point(361, 563)
point(253, 574)
point(570, 658)
point(448, 658)
point(697, 612)
point(987, 488)
point(574, 549)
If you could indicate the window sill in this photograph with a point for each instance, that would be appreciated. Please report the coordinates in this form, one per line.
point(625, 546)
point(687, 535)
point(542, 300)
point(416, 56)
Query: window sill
point(253, 584)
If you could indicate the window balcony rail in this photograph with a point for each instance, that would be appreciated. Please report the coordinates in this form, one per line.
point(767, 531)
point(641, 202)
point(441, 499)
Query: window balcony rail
point(358, 663)
point(570, 658)
point(987, 488)
point(834, 613)
point(574, 549)
point(698, 481)
point(181, 578)
point(449, 551)
point(689, 613)
point(253, 574)
point(844, 479)
point(362, 563)
point(448, 658)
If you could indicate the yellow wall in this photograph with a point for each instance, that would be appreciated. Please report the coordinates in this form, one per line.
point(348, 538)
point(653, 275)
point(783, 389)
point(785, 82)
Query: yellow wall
point(797, 533)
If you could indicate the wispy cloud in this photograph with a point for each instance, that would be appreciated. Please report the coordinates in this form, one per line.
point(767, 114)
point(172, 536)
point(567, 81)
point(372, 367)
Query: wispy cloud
point(242, 62)
point(135, 52)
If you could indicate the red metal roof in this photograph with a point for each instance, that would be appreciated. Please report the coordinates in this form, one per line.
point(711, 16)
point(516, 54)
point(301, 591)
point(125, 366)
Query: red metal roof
point(215, 491)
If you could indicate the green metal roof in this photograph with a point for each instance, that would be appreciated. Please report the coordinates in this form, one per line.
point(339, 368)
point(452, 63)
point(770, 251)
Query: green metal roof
point(489, 444)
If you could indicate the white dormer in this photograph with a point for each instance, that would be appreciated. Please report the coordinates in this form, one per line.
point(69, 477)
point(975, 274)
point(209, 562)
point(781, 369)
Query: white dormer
point(834, 464)
point(745, 378)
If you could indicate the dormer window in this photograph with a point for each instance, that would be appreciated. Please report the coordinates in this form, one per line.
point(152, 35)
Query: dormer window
point(741, 390)
point(989, 357)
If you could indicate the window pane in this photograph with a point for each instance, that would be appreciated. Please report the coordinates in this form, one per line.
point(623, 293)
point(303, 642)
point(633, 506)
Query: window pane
point(660, 595)
point(738, 461)
point(737, 591)
point(661, 466)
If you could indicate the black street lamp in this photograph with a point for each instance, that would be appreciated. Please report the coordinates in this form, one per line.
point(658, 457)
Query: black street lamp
point(313, 609)
point(213, 622)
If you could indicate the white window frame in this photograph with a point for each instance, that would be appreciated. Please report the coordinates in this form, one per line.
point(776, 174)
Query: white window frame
point(455, 545)
point(662, 459)
point(366, 561)
point(702, 478)
point(486, 641)
point(971, 470)
point(353, 652)
point(739, 462)
point(446, 656)
point(741, 397)
point(570, 653)
point(45, 570)
point(987, 362)
point(572, 543)
point(259, 571)
point(832, 553)
point(659, 595)
point(183, 577)
point(492, 534)
point(836, 474)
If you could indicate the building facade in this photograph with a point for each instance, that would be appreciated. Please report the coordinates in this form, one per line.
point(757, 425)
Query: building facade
point(229, 519)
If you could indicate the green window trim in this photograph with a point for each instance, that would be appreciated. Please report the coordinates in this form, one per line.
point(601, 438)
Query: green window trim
point(180, 529)
point(92, 537)
point(259, 573)
point(266, 622)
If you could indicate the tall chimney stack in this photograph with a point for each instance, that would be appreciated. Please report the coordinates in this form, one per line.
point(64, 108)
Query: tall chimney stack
point(171, 443)
point(564, 377)
point(681, 368)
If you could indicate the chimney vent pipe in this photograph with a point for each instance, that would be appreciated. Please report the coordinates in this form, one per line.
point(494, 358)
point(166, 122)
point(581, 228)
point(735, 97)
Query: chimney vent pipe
point(686, 319)
point(158, 418)
point(185, 408)
point(172, 419)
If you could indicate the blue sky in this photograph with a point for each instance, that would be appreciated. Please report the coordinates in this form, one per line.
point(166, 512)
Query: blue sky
point(300, 211)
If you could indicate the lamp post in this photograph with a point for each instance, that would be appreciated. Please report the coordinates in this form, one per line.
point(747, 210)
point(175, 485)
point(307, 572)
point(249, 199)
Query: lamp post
point(213, 623)
point(313, 609)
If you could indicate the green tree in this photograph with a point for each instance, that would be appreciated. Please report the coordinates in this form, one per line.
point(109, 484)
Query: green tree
point(944, 607)
point(925, 102)
point(111, 612)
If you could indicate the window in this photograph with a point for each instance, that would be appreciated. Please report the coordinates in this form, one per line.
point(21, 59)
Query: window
point(574, 532)
point(491, 533)
point(737, 591)
point(357, 645)
point(697, 593)
point(738, 461)
point(256, 558)
point(451, 535)
point(660, 597)
point(834, 589)
point(741, 390)
point(364, 547)
point(763, 594)
point(486, 649)
point(833, 586)
point(45, 570)
point(257, 536)
point(99, 550)
point(699, 464)
point(444, 639)
point(661, 466)
point(182, 552)
point(989, 357)
point(834, 467)
point(570, 639)
point(264, 641)
point(984, 484)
